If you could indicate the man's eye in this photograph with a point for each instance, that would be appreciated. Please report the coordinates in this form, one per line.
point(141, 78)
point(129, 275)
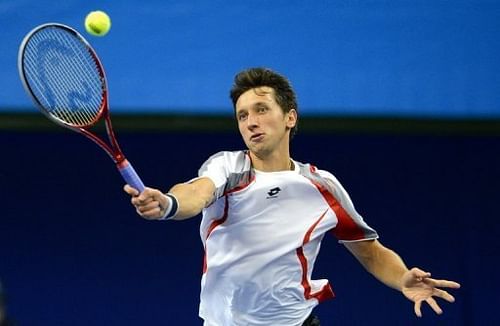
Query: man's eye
point(262, 109)
point(242, 117)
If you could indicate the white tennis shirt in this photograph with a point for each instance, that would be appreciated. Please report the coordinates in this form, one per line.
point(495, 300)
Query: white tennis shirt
point(262, 235)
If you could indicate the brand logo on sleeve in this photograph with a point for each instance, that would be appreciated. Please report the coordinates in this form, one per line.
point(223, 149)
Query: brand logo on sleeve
point(273, 193)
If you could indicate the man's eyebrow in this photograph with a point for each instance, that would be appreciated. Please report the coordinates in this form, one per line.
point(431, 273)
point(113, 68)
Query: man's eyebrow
point(260, 103)
point(253, 105)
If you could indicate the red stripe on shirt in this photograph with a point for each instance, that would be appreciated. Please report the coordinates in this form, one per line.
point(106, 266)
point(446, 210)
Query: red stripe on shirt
point(212, 226)
point(221, 220)
point(326, 291)
point(241, 186)
point(346, 228)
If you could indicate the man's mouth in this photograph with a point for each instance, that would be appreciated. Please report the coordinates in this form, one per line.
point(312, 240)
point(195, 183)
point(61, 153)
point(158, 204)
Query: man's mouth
point(257, 137)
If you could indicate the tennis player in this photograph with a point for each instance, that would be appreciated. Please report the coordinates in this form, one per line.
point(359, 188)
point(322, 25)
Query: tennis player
point(264, 216)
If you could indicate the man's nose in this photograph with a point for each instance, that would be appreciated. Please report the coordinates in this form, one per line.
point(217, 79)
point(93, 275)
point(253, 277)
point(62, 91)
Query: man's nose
point(252, 121)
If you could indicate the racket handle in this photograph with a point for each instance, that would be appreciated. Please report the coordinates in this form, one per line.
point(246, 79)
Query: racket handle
point(128, 173)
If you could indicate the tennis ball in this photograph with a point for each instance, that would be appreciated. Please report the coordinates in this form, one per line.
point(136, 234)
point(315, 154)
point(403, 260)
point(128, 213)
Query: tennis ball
point(97, 23)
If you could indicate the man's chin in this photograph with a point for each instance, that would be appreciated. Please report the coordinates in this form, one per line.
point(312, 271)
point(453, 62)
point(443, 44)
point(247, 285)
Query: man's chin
point(258, 150)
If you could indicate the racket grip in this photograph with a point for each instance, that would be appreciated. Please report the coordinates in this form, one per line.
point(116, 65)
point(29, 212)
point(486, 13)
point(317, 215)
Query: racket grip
point(128, 173)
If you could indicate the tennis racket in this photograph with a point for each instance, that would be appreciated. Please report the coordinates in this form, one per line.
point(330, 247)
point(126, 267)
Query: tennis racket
point(63, 75)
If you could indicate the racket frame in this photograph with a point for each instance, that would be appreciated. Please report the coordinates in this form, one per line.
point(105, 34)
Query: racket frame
point(114, 151)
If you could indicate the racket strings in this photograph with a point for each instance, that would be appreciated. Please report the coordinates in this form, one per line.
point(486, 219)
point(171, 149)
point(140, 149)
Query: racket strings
point(48, 98)
point(52, 93)
point(64, 76)
point(85, 113)
point(85, 61)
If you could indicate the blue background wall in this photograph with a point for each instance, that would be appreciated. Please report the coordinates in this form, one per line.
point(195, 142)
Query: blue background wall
point(391, 58)
point(73, 251)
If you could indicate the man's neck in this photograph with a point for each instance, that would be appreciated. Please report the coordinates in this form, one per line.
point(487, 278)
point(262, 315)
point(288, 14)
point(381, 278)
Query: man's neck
point(271, 163)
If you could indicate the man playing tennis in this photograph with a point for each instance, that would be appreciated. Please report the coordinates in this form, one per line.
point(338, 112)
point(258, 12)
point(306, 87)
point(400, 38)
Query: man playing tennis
point(264, 216)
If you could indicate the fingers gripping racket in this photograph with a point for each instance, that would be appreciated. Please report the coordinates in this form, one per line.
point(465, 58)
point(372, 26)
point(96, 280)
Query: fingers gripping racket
point(65, 78)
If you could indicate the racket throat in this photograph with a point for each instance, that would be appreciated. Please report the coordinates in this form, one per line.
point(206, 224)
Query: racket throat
point(122, 164)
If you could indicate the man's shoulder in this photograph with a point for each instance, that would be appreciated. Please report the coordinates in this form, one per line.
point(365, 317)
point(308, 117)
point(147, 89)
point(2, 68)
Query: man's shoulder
point(229, 160)
point(310, 168)
point(311, 171)
point(228, 156)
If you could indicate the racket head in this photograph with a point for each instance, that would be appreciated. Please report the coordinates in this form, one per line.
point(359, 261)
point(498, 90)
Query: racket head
point(63, 75)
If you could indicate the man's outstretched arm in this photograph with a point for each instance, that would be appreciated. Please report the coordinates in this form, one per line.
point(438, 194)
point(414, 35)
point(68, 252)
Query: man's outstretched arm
point(389, 268)
point(182, 201)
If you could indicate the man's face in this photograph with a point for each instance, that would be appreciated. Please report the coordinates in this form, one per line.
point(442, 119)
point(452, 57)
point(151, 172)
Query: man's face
point(261, 121)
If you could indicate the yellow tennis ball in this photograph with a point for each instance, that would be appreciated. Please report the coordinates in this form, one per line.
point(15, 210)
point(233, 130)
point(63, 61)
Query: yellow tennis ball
point(97, 23)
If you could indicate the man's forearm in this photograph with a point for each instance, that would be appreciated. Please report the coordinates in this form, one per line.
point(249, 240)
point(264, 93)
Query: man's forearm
point(387, 267)
point(381, 262)
point(191, 198)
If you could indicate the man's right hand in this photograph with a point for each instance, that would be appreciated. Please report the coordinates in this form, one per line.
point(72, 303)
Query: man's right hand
point(151, 204)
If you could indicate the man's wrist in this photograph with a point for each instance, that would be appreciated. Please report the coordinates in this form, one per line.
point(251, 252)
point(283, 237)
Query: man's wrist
point(172, 206)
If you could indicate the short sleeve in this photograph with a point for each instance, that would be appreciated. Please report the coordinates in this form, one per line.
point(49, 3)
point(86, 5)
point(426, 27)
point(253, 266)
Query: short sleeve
point(351, 225)
point(227, 170)
point(216, 169)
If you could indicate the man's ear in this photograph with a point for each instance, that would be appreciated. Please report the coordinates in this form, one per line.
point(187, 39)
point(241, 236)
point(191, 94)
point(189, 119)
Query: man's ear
point(291, 117)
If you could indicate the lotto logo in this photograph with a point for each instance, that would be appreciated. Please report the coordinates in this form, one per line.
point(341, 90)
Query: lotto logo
point(273, 193)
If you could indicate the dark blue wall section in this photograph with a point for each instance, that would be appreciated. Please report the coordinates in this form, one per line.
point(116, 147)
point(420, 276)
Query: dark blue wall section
point(73, 252)
point(390, 58)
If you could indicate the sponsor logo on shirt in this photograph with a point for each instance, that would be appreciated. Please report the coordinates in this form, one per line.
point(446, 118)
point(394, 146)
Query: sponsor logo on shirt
point(273, 193)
